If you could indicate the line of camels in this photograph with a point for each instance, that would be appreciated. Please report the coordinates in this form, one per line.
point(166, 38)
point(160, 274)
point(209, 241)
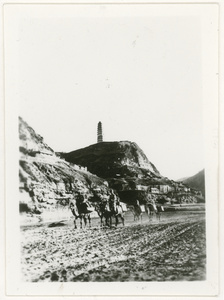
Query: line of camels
point(109, 209)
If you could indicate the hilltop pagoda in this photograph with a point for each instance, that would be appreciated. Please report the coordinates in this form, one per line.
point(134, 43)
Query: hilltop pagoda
point(99, 133)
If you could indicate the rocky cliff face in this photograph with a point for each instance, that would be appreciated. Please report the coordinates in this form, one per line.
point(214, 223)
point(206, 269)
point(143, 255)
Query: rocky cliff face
point(107, 159)
point(92, 171)
point(30, 141)
point(123, 164)
point(52, 180)
point(127, 169)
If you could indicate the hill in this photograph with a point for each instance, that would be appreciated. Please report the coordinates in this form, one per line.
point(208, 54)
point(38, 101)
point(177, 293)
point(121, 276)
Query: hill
point(123, 164)
point(30, 141)
point(52, 179)
point(196, 181)
point(108, 159)
point(127, 169)
point(48, 180)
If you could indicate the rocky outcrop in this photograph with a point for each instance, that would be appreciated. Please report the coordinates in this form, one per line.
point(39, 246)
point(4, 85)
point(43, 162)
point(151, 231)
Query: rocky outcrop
point(127, 169)
point(31, 142)
point(124, 165)
point(47, 182)
point(49, 186)
point(111, 159)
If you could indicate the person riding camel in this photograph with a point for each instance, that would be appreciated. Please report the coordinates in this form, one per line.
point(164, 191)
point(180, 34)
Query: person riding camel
point(118, 204)
point(112, 200)
point(137, 206)
point(82, 203)
point(73, 207)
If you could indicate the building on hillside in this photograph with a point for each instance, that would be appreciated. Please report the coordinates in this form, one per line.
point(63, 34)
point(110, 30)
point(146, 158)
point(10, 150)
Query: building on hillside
point(196, 192)
point(165, 188)
point(187, 189)
point(154, 190)
point(160, 188)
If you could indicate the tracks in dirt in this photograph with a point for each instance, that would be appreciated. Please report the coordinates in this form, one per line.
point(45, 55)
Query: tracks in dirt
point(134, 252)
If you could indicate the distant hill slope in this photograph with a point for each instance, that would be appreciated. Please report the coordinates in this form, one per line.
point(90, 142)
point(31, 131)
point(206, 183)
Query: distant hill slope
point(196, 181)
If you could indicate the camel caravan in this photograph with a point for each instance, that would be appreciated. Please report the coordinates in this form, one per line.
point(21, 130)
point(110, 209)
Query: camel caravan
point(104, 203)
point(151, 208)
point(109, 208)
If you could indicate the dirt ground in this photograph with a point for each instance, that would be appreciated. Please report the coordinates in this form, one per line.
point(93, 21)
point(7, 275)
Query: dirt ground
point(172, 249)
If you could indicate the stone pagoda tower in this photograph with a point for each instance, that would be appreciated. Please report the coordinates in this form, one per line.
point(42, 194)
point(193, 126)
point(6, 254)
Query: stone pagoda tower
point(99, 133)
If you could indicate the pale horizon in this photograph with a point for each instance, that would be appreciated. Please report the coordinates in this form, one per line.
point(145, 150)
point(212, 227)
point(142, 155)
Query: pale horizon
point(138, 73)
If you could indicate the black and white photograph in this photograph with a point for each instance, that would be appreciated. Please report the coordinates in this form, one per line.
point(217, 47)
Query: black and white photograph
point(111, 119)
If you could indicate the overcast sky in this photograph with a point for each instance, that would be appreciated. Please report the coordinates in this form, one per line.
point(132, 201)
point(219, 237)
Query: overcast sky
point(139, 74)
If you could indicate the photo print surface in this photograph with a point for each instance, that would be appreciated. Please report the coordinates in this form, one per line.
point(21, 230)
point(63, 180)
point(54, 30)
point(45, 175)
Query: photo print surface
point(113, 184)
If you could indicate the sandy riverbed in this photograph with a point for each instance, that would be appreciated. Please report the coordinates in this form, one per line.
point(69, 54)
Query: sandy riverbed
point(173, 249)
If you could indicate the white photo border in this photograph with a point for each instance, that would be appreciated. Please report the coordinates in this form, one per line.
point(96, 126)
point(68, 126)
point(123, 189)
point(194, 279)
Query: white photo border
point(209, 11)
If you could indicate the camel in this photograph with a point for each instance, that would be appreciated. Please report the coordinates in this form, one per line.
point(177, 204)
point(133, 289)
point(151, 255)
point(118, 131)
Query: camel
point(160, 209)
point(107, 205)
point(151, 209)
point(82, 212)
point(117, 212)
point(136, 210)
point(105, 211)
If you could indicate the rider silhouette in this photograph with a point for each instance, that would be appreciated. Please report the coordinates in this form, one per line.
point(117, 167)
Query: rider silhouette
point(137, 206)
point(112, 201)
